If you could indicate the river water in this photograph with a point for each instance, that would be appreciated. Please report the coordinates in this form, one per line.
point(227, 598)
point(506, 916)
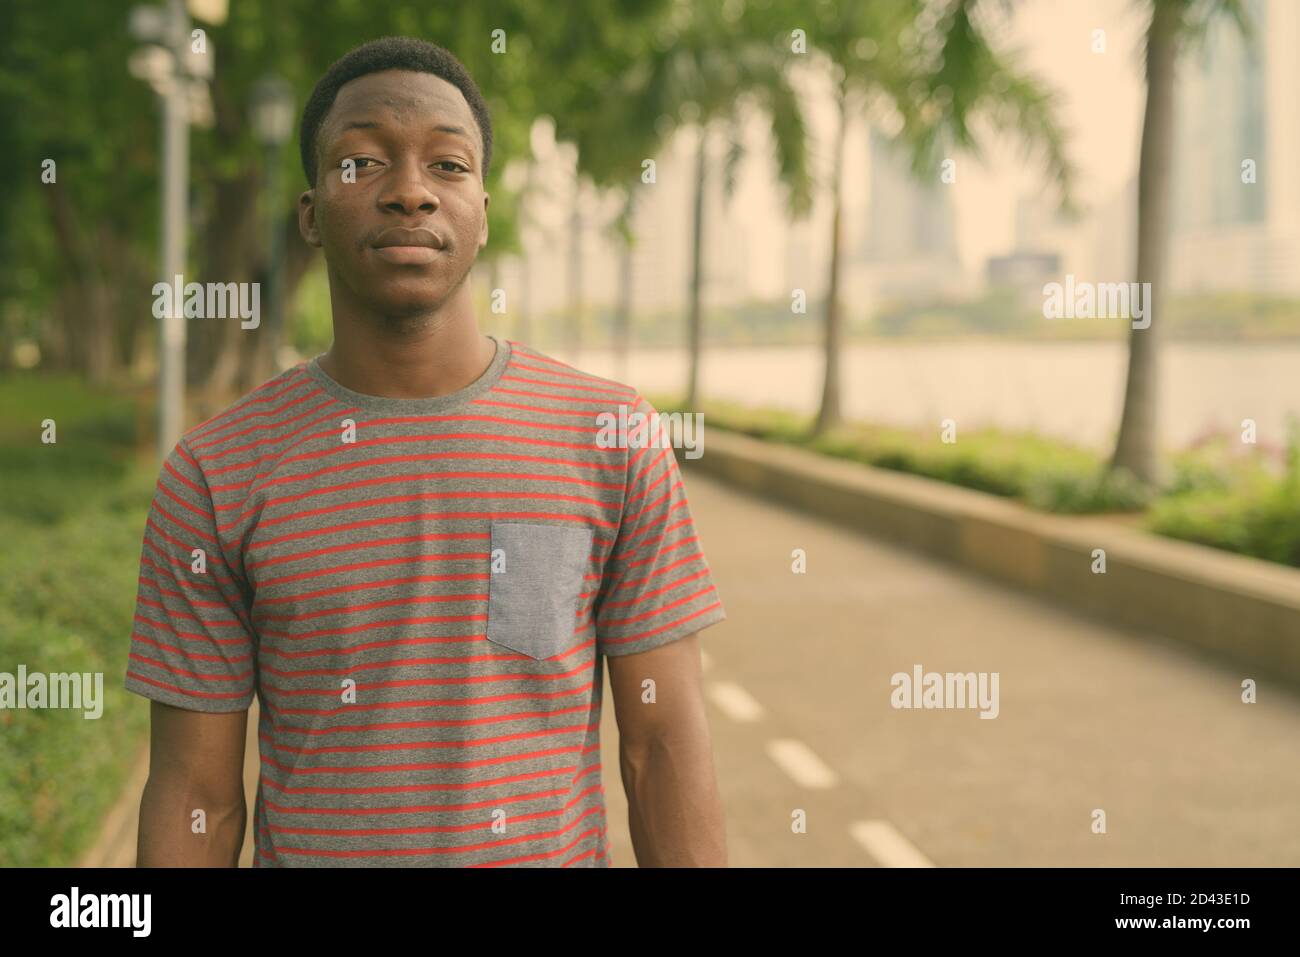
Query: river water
point(1071, 390)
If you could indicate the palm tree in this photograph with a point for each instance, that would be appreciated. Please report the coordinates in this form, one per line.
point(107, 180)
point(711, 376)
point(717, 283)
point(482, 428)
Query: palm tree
point(1173, 25)
point(703, 71)
point(941, 75)
point(611, 136)
point(754, 76)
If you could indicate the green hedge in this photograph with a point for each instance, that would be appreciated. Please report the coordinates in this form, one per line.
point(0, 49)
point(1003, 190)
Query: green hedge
point(1042, 472)
point(1217, 494)
point(71, 518)
point(1238, 507)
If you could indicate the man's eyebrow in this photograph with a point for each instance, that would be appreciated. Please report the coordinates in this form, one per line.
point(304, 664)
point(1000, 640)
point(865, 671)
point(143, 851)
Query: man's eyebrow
point(446, 128)
point(457, 131)
point(440, 128)
point(375, 124)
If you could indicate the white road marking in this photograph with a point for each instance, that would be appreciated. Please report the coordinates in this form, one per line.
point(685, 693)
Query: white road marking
point(890, 848)
point(734, 701)
point(797, 760)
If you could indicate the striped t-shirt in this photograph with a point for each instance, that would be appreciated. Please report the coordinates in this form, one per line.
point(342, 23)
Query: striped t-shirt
point(420, 592)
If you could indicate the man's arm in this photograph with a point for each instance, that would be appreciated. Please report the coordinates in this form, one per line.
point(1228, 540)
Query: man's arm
point(666, 758)
point(196, 762)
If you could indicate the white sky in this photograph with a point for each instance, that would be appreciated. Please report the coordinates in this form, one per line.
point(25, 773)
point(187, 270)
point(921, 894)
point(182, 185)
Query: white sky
point(1102, 98)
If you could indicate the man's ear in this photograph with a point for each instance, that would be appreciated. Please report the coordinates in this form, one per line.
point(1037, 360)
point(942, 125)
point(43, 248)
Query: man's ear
point(483, 233)
point(307, 218)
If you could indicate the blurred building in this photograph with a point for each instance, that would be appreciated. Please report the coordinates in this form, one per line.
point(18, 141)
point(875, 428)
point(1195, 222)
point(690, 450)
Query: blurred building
point(909, 247)
point(1236, 104)
point(1042, 236)
point(1112, 234)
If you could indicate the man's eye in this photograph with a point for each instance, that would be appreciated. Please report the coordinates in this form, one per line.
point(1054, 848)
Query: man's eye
point(456, 167)
point(360, 161)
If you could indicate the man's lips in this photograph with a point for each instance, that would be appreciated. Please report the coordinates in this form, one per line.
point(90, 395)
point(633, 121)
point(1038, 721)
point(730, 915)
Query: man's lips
point(407, 247)
point(407, 255)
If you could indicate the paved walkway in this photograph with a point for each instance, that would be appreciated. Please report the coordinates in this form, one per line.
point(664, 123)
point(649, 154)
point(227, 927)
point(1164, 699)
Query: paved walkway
point(1091, 717)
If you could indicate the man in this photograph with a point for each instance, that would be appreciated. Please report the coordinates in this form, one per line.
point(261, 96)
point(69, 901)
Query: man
point(416, 553)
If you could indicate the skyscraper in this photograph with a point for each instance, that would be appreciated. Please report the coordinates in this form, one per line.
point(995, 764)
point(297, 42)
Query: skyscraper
point(1236, 210)
point(910, 245)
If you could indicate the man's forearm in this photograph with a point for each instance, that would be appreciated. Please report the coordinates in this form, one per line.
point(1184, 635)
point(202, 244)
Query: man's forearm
point(168, 832)
point(674, 811)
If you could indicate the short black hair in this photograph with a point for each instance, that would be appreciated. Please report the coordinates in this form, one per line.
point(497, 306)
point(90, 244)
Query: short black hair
point(389, 53)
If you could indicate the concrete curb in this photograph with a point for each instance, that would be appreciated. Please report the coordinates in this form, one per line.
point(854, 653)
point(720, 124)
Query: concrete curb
point(1242, 609)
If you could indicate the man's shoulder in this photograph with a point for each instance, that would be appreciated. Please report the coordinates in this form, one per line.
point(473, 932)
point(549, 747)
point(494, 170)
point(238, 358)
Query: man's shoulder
point(257, 417)
point(592, 389)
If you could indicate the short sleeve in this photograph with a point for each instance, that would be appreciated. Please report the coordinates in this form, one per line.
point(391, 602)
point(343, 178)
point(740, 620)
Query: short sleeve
point(191, 639)
point(656, 586)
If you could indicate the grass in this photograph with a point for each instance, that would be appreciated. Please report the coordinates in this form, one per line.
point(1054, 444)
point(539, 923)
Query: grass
point(71, 518)
point(1220, 494)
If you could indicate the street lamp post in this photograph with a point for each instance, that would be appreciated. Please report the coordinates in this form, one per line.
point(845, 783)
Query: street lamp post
point(178, 73)
point(272, 119)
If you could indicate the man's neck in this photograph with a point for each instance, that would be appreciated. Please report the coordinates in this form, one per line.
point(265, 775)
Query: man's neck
point(444, 356)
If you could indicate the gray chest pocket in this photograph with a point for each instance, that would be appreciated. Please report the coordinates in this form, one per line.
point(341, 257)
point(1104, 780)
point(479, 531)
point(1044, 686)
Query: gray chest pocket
point(536, 578)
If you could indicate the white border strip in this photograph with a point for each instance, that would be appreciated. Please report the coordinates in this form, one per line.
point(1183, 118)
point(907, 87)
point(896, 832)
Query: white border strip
point(798, 760)
point(890, 848)
point(734, 701)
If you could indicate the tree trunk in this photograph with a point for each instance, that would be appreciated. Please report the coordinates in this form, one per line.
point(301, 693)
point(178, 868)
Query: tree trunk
point(1136, 448)
point(101, 342)
point(694, 324)
point(218, 350)
point(523, 322)
point(261, 346)
point(494, 283)
point(132, 295)
point(230, 243)
point(524, 312)
point(623, 318)
point(828, 415)
point(575, 273)
point(85, 304)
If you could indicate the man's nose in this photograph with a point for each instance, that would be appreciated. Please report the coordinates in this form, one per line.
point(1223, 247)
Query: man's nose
point(408, 189)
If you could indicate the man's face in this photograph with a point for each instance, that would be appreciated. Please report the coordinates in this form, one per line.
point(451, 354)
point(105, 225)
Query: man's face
point(402, 237)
